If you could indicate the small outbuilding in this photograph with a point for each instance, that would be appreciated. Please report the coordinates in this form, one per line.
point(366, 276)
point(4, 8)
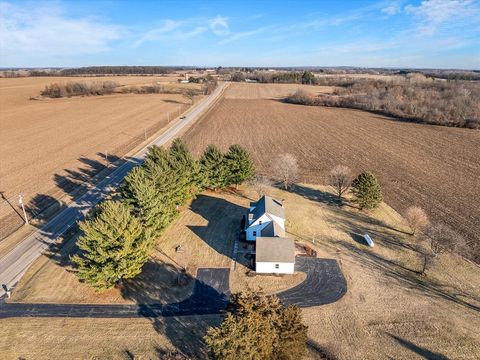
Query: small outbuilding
point(275, 255)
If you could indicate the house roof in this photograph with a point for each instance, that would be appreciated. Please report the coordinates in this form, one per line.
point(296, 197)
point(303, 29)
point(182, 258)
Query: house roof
point(273, 229)
point(268, 205)
point(275, 249)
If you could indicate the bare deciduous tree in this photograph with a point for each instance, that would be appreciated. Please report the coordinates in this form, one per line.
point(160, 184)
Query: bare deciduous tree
point(340, 178)
point(260, 184)
point(443, 238)
point(190, 94)
point(285, 169)
point(417, 219)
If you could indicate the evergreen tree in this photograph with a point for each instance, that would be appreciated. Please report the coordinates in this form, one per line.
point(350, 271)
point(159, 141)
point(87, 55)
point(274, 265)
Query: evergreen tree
point(187, 167)
point(366, 190)
point(258, 327)
point(112, 246)
point(239, 165)
point(140, 191)
point(214, 168)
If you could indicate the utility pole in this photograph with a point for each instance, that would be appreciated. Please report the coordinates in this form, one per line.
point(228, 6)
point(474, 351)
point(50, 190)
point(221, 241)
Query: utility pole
point(20, 201)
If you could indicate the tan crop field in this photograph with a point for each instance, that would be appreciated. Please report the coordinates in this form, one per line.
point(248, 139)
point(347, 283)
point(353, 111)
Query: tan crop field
point(51, 147)
point(269, 91)
point(435, 167)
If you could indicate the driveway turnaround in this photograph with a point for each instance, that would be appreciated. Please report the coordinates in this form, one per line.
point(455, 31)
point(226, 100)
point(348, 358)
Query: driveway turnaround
point(324, 284)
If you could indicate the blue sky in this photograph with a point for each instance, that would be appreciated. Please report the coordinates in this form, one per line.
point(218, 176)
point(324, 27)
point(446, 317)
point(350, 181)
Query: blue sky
point(388, 33)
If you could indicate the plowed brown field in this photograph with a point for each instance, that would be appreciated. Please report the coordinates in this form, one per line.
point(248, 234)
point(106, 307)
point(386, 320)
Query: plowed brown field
point(435, 167)
point(50, 147)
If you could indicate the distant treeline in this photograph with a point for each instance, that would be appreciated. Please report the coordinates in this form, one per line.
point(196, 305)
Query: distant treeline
point(118, 70)
point(449, 103)
point(289, 77)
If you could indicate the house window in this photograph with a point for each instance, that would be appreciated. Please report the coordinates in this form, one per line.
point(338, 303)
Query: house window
point(260, 223)
point(254, 233)
point(277, 266)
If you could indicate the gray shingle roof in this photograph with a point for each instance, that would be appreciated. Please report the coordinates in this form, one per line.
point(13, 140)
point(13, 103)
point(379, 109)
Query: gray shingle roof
point(268, 205)
point(273, 229)
point(275, 249)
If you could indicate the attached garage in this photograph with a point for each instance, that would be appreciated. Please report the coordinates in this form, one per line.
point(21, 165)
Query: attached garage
point(275, 255)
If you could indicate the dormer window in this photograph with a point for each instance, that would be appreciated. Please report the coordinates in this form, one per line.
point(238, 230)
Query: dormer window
point(260, 222)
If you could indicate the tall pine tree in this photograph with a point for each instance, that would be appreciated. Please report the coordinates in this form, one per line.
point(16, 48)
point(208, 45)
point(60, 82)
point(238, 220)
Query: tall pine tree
point(366, 191)
point(188, 168)
point(139, 190)
point(214, 168)
point(239, 165)
point(112, 246)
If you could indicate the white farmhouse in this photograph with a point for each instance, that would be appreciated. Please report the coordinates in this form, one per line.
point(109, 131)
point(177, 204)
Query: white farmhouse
point(265, 225)
point(266, 218)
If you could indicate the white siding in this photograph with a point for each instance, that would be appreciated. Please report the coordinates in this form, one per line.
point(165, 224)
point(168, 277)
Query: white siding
point(255, 226)
point(269, 268)
point(278, 220)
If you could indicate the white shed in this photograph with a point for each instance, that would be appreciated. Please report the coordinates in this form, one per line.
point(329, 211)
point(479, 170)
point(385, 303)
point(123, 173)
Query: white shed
point(275, 255)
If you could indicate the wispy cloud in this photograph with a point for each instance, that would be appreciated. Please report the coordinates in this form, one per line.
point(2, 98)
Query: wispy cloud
point(48, 30)
point(244, 34)
point(391, 8)
point(184, 29)
point(432, 14)
point(219, 25)
point(158, 33)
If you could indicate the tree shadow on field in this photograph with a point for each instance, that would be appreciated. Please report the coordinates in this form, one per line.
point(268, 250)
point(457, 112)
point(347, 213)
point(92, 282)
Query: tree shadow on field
point(316, 351)
point(77, 182)
point(158, 283)
point(186, 332)
point(311, 194)
point(171, 101)
point(42, 206)
point(338, 206)
point(224, 222)
point(410, 277)
point(424, 353)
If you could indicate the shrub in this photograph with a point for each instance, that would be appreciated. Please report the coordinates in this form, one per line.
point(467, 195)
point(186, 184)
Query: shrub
point(366, 190)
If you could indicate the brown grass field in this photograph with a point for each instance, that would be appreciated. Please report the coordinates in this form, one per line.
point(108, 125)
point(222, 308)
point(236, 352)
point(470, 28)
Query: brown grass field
point(50, 148)
point(389, 310)
point(435, 167)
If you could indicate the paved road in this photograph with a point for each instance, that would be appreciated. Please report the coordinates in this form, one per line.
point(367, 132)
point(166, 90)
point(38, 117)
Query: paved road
point(324, 284)
point(16, 262)
point(210, 295)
